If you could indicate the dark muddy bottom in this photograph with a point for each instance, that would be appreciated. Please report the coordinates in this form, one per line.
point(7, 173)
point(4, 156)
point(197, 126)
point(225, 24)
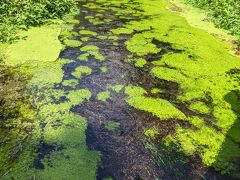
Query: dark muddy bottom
point(126, 152)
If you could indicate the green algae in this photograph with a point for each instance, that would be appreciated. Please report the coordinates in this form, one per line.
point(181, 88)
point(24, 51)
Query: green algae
point(151, 132)
point(72, 43)
point(197, 62)
point(112, 126)
point(82, 70)
point(140, 62)
point(87, 32)
point(40, 44)
point(158, 107)
point(122, 31)
point(94, 51)
point(141, 45)
point(103, 96)
point(83, 57)
point(70, 82)
point(116, 88)
point(156, 90)
point(50, 123)
point(103, 69)
point(200, 107)
point(85, 39)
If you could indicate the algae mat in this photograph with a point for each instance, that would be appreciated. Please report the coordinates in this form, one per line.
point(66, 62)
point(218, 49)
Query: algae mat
point(137, 93)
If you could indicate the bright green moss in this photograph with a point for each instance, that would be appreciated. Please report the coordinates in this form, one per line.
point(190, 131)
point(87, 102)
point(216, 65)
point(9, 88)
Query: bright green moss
point(85, 39)
point(141, 46)
point(72, 43)
point(94, 51)
point(151, 132)
point(156, 90)
point(76, 97)
point(116, 88)
point(103, 96)
point(112, 126)
point(89, 48)
point(87, 32)
point(70, 82)
point(122, 31)
point(140, 62)
point(199, 70)
point(82, 70)
point(200, 107)
point(83, 57)
point(40, 44)
point(104, 69)
point(158, 107)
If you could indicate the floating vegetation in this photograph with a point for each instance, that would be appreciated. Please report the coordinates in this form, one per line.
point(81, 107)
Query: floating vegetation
point(103, 96)
point(82, 70)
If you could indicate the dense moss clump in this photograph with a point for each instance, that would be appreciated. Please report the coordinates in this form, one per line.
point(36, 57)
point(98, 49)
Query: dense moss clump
point(82, 70)
point(199, 63)
point(49, 140)
point(159, 107)
point(103, 96)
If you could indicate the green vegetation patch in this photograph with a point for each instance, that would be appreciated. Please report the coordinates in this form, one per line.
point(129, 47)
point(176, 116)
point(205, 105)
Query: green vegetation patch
point(158, 107)
point(70, 82)
point(103, 96)
point(116, 88)
point(94, 51)
point(104, 69)
point(200, 64)
point(151, 132)
point(87, 32)
point(82, 70)
point(140, 62)
point(72, 43)
point(40, 44)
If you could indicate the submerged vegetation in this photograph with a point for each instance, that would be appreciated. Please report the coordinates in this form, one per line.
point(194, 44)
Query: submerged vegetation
point(167, 85)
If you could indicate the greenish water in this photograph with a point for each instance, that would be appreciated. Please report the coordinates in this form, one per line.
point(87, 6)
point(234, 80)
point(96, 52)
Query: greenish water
point(136, 93)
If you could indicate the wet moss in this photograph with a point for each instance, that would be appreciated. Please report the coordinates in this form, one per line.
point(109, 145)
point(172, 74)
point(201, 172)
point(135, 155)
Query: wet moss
point(70, 82)
point(103, 69)
point(50, 122)
point(200, 71)
point(82, 70)
point(39, 44)
point(87, 32)
point(140, 62)
point(158, 107)
point(103, 96)
point(94, 51)
point(116, 88)
point(151, 132)
point(72, 43)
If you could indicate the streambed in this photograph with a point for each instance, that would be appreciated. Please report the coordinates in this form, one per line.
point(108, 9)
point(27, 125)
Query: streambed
point(121, 81)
